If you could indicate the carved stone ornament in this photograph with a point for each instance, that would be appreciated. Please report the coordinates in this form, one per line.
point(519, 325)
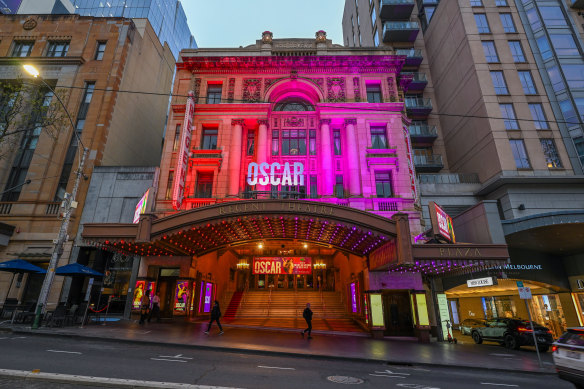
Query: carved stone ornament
point(267, 37)
point(197, 87)
point(237, 122)
point(29, 24)
point(252, 90)
point(231, 90)
point(325, 121)
point(357, 89)
point(294, 121)
point(263, 122)
point(320, 36)
point(351, 121)
point(336, 89)
point(294, 74)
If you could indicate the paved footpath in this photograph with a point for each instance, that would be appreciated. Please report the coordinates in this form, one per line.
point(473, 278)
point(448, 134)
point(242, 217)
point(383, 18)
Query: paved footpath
point(286, 343)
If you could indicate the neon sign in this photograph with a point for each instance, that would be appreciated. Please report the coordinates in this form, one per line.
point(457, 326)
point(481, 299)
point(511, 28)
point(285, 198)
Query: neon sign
point(180, 172)
point(259, 173)
point(441, 222)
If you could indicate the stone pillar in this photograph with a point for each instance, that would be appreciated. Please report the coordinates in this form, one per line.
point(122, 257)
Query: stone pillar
point(262, 153)
point(326, 159)
point(235, 156)
point(352, 157)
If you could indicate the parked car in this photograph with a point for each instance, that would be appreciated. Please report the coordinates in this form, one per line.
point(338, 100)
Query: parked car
point(513, 333)
point(568, 353)
point(468, 325)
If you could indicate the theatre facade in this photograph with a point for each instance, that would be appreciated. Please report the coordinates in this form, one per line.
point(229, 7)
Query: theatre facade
point(287, 178)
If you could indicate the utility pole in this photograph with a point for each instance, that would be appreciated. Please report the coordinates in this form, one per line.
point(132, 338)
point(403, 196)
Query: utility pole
point(69, 204)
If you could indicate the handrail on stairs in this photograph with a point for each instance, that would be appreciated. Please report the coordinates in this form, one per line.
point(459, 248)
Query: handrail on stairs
point(269, 300)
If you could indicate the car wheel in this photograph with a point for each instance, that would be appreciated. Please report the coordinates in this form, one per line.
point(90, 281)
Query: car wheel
point(478, 339)
point(543, 349)
point(511, 342)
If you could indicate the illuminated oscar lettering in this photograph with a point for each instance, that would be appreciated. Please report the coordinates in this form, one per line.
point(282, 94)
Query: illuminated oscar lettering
point(275, 173)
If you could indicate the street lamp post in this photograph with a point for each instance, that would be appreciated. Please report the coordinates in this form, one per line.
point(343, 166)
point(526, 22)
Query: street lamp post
point(69, 204)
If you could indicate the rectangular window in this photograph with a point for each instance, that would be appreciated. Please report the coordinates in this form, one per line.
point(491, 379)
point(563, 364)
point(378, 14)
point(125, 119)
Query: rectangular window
point(516, 51)
point(274, 191)
point(58, 48)
point(579, 143)
point(482, 24)
point(312, 142)
point(376, 38)
point(22, 48)
point(378, 137)
point(551, 153)
point(293, 142)
point(490, 51)
point(204, 187)
point(527, 82)
point(574, 75)
point(553, 16)
point(501, 3)
point(209, 141)
point(544, 47)
point(476, 3)
point(564, 45)
point(508, 115)
point(499, 83)
point(533, 18)
point(519, 154)
point(250, 142)
point(373, 93)
point(508, 24)
point(556, 78)
point(373, 16)
point(337, 141)
point(383, 184)
point(214, 93)
point(275, 142)
point(538, 116)
point(176, 138)
point(569, 113)
point(100, 50)
point(339, 193)
point(313, 187)
point(169, 185)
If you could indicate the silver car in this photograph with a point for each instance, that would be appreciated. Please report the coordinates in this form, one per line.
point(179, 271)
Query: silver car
point(568, 353)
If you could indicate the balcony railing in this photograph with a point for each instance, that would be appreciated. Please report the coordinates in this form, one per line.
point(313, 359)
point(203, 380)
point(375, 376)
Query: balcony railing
point(418, 102)
point(428, 163)
point(395, 9)
point(419, 80)
point(400, 31)
point(423, 130)
point(28, 208)
point(414, 57)
point(449, 178)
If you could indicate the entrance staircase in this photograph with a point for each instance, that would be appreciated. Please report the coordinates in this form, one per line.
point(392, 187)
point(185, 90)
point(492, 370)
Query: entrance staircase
point(231, 310)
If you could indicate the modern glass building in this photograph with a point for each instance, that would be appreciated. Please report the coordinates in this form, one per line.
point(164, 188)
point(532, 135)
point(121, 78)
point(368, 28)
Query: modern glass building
point(167, 17)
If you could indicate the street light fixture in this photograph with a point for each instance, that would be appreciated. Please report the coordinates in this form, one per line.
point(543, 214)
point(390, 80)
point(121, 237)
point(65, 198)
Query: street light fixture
point(69, 204)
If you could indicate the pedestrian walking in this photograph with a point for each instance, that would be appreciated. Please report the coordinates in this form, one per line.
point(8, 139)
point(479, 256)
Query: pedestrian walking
point(155, 308)
point(215, 315)
point(145, 308)
point(307, 315)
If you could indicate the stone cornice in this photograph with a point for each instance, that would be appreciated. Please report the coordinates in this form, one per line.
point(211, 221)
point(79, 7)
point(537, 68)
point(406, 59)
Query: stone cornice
point(18, 61)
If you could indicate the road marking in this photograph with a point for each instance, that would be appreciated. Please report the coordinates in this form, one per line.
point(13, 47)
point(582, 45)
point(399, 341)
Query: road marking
point(178, 356)
point(490, 383)
point(275, 367)
point(169, 360)
point(388, 376)
point(3, 338)
point(390, 372)
point(503, 355)
point(19, 337)
point(65, 352)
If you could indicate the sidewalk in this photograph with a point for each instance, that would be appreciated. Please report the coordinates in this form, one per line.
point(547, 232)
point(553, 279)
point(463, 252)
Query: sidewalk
point(287, 343)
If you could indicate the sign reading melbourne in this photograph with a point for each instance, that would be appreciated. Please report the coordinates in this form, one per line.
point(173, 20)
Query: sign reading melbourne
point(275, 174)
point(180, 172)
point(282, 265)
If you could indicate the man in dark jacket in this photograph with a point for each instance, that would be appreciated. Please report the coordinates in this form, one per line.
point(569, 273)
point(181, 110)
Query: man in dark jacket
point(307, 315)
point(215, 315)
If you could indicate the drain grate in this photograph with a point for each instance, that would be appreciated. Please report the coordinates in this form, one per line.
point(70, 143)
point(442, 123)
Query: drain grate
point(341, 379)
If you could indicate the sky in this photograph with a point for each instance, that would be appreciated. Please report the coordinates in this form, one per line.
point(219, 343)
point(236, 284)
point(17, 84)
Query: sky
point(234, 23)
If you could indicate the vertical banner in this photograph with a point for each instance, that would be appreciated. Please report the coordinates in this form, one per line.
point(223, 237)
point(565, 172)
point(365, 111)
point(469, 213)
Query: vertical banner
point(208, 297)
point(180, 171)
point(138, 293)
point(444, 313)
point(353, 289)
point(411, 168)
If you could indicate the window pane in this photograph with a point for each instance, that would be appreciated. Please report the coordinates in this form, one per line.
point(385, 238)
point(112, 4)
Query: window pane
point(490, 51)
point(519, 154)
point(482, 23)
point(337, 142)
point(556, 78)
point(551, 153)
point(552, 16)
point(275, 142)
point(373, 93)
point(476, 3)
point(507, 21)
point(538, 116)
point(499, 83)
point(527, 82)
point(533, 18)
point(508, 115)
point(544, 47)
point(574, 75)
point(564, 44)
point(516, 51)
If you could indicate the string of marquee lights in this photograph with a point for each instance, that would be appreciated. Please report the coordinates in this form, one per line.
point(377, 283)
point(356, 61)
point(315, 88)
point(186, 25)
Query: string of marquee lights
point(578, 122)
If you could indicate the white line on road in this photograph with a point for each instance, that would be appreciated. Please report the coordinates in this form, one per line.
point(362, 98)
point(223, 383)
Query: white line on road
point(275, 367)
point(169, 360)
point(490, 383)
point(388, 376)
point(502, 355)
point(65, 352)
point(390, 372)
point(178, 356)
point(3, 338)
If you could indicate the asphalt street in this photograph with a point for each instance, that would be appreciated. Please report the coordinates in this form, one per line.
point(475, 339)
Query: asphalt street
point(231, 370)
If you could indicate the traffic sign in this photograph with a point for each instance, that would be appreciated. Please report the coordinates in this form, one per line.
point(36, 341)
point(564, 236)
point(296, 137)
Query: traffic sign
point(520, 284)
point(524, 293)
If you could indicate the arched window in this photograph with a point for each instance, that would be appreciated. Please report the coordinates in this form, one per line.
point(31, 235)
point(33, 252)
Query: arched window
point(294, 104)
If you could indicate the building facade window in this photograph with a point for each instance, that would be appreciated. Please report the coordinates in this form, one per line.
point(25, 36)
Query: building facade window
point(519, 154)
point(376, 38)
point(312, 142)
point(516, 51)
point(339, 192)
point(373, 16)
point(176, 138)
point(57, 48)
point(476, 3)
point(527, 82)
point(570, 116)
point(204, 186)
point(337, 141)
point(574, 75)
point(293, 142)
point(508, 114)
point(564, 45)
point(499, 83)
point(550, 152)
point(250, 143)
point(490, 52)
point(553, 16)
point(538, 116)
point(383, 184)
point(544, 48)
point(100, 50)
point(508, 24)
point(482, 23)
point(22, 48)
point(556, 78)
point(214, 93)
point(373, 93)
point(169, 183)
point(501, 3)
point(313, 187)
point(209, 139)
point(579, 143)
point(275, 142)
point(378, 137)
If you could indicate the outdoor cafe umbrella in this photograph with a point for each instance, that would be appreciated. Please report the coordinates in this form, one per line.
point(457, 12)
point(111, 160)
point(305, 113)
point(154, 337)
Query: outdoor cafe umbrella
point(19, 266)
point(77, 270)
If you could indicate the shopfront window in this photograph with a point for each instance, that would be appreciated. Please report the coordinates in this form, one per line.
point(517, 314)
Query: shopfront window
point(547, 311)
point(499, 307)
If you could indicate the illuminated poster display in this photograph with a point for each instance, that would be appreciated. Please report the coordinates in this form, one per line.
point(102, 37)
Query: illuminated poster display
point(282, 265)
point(353, 289)
point(193, 297)
point(138, 293)
point(141, 207)
point(180, 172)
point(441, 222)
point(151, 289)
point(181, 296)
point(444, 313)
point(376, 311)
point(208, 297)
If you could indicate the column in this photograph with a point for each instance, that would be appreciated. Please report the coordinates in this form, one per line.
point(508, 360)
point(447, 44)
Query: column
point(326, 159)
point(262, 156)
point(235, 156)
point(352, 157)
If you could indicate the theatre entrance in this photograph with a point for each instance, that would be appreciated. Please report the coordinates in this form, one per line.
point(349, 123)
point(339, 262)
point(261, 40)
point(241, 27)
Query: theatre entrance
point(397, 313)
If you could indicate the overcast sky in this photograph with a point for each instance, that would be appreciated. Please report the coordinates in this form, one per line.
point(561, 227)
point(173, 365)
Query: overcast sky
point(234, 23)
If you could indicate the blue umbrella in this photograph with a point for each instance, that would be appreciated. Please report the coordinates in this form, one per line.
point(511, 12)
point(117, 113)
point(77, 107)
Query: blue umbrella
point(19, 266)
point(76, 269)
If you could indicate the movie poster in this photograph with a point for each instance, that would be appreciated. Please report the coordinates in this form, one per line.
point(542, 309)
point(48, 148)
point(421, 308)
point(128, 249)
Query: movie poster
point(208, 297)
point(181, 296)
point(138, 293)
point(282, 265)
